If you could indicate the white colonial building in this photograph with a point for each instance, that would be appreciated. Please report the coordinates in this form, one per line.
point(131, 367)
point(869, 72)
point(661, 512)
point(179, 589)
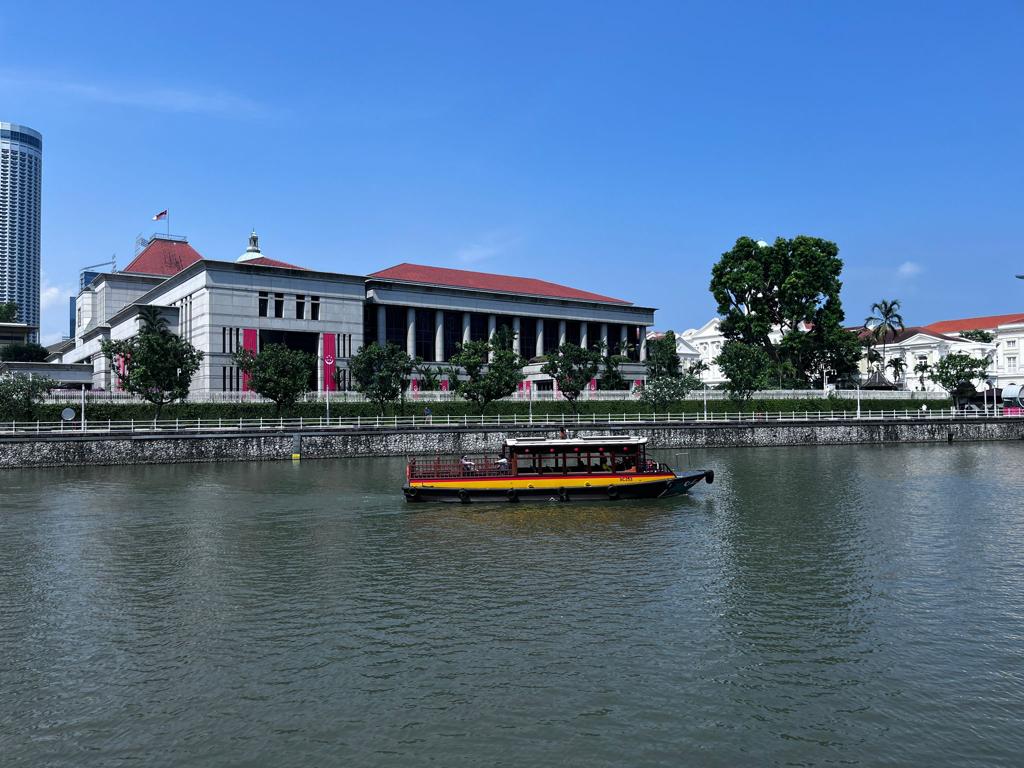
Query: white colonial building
point(224, 306)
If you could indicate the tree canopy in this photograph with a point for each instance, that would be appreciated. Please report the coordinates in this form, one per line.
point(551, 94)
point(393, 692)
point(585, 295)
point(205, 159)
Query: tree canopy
point(8, 312)
point(382, 373)
point(156, 364)
point(277, 373)
point(662, 357)
point(746, 368)
point(956, 370)
point(572, 368)
point(664, 390)
point(789, 291)
point(24, 353)
point(487, 381)
point(20, 394)
point(986, 337)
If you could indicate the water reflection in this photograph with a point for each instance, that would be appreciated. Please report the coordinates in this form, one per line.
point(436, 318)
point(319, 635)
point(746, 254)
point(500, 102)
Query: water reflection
point(813, 606)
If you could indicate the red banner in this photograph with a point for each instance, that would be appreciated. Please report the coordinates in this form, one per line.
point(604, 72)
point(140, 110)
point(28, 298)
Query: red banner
point(250, 341)
point(330, 366)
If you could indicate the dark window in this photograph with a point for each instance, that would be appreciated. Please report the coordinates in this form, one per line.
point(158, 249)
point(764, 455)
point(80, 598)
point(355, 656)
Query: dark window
point(264, 297)
point(614, 338)
point(527, 337)
point(550, 336)
point(300, 307)
point(395, 326)
point(278, 305)
point(425, 334)
point(314, 307)
point(572, 332)
point(369, 323)
point(452, 333)
point(223, 340)
point(477, 327)
point(223, 378)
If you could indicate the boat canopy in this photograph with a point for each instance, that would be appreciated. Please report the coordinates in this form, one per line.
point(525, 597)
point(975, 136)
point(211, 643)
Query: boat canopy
point(531, 442)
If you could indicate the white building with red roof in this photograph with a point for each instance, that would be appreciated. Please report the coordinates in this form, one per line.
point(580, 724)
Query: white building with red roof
point(254, 300)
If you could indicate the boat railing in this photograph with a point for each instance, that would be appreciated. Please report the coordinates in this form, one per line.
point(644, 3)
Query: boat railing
point(420, 469)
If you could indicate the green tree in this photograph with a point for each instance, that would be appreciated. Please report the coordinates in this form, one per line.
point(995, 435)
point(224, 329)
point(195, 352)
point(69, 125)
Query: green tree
point(24, 353)
point(985, 337)
point(922, 369)
point(382, 373)
point(277, 373)
point(430, 377)
point(884, 322)
point(572, 368)
point(958, 372)
point(746, 368)
point(898, 366)
point(789, 289)
point(158, 365)
point(488, 381)
point(21, 394)
point(611, 378)
point(662, 357)
point(8, 312)
point(664, 390)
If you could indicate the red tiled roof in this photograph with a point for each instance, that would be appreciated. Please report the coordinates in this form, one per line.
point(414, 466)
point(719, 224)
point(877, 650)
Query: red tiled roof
point(903, 335)
point(263, 261)
point(164, 257)
point(987, 323)
point(484, 281)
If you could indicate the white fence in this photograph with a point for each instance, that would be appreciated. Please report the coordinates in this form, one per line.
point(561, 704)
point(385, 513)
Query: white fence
point(72, 396)
point(208, 426)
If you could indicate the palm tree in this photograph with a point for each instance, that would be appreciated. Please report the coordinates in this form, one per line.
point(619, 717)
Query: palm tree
point(921, 369)
point(898, 365)
point(873, 356)
point(885, 320)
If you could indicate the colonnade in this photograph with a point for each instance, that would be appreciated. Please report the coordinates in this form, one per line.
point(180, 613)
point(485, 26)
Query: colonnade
point(492, 327)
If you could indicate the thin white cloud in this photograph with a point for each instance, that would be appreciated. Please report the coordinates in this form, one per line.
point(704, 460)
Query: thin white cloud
point(909, 269)
point(53, 311)
point(485, 248)
point(159, 98)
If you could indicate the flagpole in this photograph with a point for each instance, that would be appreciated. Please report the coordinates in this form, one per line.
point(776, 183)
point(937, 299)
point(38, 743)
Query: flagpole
point(168, 223)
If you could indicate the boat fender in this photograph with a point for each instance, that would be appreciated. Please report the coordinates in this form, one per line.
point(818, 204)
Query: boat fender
point(512, 495)
point(563, 495)
point(464, 496)
point(413, 494)
point(613, 492)
point(710, 476)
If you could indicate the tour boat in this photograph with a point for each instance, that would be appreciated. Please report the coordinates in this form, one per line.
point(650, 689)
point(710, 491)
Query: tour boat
point(605, 467)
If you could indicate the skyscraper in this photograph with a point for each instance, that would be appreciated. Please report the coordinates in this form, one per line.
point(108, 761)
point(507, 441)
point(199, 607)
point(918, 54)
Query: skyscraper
point(21, 174)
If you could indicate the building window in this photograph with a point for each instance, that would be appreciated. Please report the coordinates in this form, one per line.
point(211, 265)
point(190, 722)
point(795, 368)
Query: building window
point(550, 336)
point(1011, 363)
point(395, 327)
point(452, 333)
point(478, 327)
point(1011, 343)
point(264, 300)
point(314, 307)
point(425, 334)
point(278, 305)
point(528, 337)
point(300, 307)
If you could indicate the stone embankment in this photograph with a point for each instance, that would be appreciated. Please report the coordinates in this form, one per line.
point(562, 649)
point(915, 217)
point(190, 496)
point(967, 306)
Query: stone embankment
point(140, 448)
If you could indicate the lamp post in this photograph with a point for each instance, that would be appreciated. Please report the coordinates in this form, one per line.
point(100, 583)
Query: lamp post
point(705, 401)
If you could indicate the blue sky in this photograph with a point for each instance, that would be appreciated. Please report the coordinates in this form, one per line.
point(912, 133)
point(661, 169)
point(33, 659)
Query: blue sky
point(618, 148)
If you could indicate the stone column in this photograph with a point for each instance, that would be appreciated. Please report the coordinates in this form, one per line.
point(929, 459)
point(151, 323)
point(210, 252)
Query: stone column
point(465, 328)
point(439, 336)
point(604, 336)
point(382, 324)
point(561, 332)
point(410, 332)
point(492, 327)
point(540, 337)
point(583, 335)
point(623, 338)
point(516, 328)
point(643, 344)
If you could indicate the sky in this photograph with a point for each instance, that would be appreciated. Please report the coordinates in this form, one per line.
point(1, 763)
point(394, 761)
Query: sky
point(614, 147)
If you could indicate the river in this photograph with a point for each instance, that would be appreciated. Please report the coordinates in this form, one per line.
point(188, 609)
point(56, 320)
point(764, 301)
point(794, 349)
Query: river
point(859, 605)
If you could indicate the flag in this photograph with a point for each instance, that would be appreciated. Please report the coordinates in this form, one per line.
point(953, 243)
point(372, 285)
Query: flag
point(161, 215)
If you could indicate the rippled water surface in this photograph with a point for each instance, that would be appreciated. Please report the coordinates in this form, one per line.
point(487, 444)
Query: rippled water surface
point(815, 606)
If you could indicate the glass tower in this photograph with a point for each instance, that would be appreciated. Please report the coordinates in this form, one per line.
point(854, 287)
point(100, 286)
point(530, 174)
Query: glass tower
point(21, 173)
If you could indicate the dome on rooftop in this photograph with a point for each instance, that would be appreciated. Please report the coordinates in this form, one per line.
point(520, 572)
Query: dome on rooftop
point(253, 251)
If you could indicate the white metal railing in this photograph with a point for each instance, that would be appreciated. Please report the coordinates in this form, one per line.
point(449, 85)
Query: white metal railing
point(590, 420)
point(72, 396)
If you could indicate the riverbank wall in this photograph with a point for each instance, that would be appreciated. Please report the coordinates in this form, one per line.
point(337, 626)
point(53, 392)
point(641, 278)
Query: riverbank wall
point(210, 446)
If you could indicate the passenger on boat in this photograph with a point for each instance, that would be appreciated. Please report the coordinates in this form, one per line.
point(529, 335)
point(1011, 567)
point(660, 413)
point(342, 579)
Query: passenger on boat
point(502, 465)
point(467, 465)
